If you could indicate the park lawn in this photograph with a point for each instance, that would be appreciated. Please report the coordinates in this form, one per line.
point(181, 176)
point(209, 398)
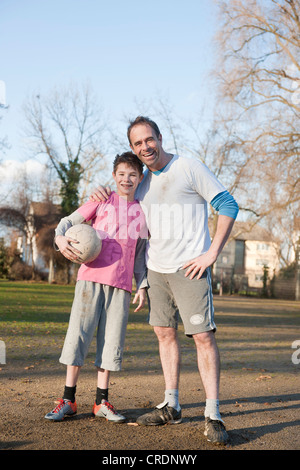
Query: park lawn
point(33, 316)
point(252, 334)
point(34, 319)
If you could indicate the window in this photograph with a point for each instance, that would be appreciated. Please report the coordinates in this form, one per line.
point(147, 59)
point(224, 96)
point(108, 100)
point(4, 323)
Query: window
point(262, 262)
point(262, 247)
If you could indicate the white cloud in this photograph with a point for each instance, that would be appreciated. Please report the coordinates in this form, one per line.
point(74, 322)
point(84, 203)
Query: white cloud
point(12, 172)
point(11, 169)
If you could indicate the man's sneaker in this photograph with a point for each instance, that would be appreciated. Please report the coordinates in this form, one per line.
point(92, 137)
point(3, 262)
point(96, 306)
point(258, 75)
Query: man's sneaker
point(107, 411)
point(164, 415)
point(215, 431)
point(63, 409)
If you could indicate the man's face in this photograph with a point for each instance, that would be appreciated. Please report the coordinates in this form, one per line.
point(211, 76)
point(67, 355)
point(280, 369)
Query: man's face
point(146, 145)
point(127, 179)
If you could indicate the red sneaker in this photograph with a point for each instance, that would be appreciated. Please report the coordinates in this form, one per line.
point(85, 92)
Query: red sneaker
point(63, 409)
point(107, 411)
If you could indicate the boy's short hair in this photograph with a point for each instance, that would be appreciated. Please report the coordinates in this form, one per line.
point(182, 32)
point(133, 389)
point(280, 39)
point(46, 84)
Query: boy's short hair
point(130, 159)
point(142, 120)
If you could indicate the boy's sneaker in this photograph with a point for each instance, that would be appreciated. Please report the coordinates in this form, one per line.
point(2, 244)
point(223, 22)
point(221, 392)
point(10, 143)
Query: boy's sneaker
point(215, 431)
point(164, 415)
point(107, 411)
point(63, 409)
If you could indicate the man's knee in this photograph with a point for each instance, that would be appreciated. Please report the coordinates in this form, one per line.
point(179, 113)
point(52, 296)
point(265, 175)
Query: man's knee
point(165, 333)
point(205, 339)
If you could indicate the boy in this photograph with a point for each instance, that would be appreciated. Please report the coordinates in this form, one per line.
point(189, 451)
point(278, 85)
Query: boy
point(103, 287)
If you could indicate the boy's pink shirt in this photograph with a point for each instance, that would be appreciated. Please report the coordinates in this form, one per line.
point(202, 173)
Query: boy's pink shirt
point(119, 224)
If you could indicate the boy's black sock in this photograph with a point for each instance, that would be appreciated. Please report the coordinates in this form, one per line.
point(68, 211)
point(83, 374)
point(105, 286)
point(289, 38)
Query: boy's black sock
point(101, 394)
point(69, 393)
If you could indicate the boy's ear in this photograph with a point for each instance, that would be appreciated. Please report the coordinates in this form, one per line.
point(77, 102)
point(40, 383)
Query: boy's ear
point(141, 177)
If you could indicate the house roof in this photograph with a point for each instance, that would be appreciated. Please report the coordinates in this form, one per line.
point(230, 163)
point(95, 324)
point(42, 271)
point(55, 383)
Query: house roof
point(44, 208)
point(247, 231)
point(44, 214)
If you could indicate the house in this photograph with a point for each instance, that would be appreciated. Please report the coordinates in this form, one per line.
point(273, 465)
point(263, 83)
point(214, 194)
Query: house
point(242, 262)
point(42, 218)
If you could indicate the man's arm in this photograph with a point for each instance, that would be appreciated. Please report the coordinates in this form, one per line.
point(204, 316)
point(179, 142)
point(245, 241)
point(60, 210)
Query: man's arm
point(199, 264)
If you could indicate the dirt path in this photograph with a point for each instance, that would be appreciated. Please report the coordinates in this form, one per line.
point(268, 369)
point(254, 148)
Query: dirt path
point(260, 399)
point(261, 412)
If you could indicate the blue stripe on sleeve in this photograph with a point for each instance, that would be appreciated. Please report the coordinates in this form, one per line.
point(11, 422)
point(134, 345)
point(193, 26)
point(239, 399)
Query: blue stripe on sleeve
point(225, 204)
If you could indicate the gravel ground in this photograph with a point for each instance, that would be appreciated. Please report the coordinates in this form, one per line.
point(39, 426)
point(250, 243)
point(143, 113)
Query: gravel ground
point(259, 395)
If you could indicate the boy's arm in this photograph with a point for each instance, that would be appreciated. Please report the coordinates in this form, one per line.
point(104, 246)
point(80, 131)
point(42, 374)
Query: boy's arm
point(84, 213)
point(67, 222)
point(62, 243)
point(140, 297)
point(140, 273)
point(140, 269)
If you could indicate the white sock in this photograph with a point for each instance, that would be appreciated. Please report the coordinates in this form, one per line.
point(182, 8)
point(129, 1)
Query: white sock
point(171, 399)
point(171, 396)
point(212, 409)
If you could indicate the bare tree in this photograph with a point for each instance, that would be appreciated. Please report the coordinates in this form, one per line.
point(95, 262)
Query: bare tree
point(259, 85)
point(67, 127)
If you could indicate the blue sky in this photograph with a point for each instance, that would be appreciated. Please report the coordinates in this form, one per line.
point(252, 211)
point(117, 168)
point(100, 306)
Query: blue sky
point(127, 51)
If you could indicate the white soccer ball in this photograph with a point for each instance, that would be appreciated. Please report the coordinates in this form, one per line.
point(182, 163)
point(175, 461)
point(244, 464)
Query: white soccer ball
point(89, 245)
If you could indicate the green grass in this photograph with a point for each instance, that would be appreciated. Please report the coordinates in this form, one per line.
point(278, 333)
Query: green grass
point(34, 319)
point(30, 302)
point(252, 333)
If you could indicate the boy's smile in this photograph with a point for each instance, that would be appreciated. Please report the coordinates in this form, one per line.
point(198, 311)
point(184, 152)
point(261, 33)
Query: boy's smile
point(127, 179)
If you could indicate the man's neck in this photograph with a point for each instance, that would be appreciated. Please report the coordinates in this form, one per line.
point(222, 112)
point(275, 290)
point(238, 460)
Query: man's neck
point(166, 158)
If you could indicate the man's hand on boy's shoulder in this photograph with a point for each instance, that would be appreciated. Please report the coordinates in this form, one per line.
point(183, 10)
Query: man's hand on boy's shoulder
point(100, 194)
point(65, 247)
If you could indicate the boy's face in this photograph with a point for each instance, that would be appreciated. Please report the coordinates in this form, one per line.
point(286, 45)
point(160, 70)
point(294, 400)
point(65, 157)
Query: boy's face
point(127, 179)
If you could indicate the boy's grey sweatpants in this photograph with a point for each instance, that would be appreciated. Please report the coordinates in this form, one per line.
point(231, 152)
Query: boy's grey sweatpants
point(102, 308)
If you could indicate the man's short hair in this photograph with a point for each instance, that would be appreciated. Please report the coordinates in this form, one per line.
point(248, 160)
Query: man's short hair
point(142, 120)
point(130, 159)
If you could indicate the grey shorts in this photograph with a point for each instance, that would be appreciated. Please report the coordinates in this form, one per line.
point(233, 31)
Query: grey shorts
point(101, 308)
point(173, 294)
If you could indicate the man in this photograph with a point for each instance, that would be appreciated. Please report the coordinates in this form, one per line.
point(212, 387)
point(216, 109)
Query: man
point(174, 195)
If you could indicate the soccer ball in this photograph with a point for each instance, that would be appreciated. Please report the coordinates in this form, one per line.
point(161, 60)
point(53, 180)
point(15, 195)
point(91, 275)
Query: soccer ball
point(89, 245)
